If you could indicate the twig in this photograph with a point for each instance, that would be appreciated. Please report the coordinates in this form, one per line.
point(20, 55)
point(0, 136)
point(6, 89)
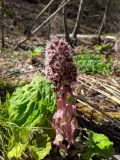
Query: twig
point(103, 20)
point(41, 25)
point(78, 20)
point(50, 17)
point(38, 16)
point(113, 98)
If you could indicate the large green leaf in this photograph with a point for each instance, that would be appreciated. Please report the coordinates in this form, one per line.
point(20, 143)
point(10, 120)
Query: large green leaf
point(18, 142)
point(33, 103)
point(100, 146)
point(41, 146)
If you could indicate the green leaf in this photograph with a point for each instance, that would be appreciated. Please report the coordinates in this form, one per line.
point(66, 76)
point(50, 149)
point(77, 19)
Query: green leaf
point(102, 48)
point(32, 104)
point(37, 51)
point(41, 146)
point(92, 64)
point(18, 143)
point(100, 146)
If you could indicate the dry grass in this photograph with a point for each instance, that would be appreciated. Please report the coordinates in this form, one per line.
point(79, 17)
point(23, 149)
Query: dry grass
point(99, 101)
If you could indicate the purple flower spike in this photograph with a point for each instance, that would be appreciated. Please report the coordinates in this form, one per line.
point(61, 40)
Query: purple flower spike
point(61, 71)
point(59, 67)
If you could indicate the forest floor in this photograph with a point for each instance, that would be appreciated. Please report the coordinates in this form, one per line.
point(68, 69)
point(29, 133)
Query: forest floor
point(98, 104)
point(98, 95)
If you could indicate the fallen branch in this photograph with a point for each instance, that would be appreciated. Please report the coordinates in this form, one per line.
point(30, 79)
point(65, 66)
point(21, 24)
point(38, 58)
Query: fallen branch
point(89, 36)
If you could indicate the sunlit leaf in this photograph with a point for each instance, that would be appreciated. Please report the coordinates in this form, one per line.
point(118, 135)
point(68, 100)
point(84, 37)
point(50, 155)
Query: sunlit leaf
point(18, 143)
point(99, 146)
point(33, 103)
point(37, 51)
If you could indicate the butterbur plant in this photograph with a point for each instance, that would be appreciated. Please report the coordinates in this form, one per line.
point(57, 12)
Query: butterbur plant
point(61, 71)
